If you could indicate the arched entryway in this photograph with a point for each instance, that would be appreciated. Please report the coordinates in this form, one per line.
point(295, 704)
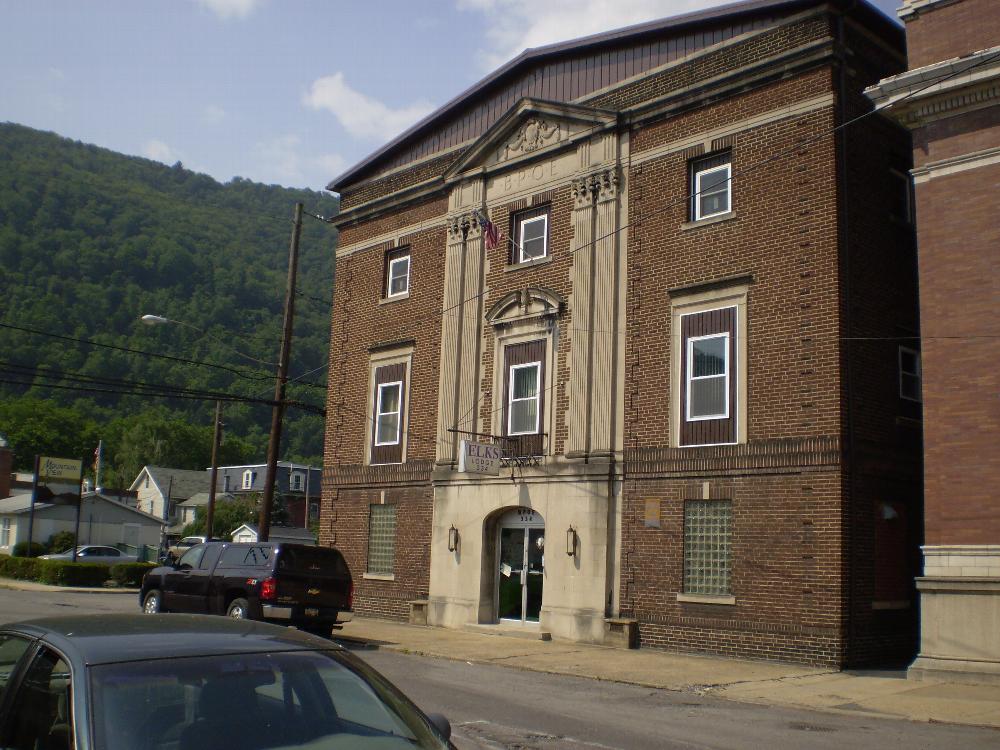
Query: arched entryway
point(520, 566)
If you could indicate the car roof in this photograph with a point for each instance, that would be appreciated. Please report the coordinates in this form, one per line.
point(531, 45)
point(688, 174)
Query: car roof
point(113, 638)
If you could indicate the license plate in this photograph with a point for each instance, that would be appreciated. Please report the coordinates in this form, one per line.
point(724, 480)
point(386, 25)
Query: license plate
point(312, 612)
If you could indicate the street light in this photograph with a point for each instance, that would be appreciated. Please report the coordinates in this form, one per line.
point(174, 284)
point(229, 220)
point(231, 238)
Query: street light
point(154, 320)
point(159, 320)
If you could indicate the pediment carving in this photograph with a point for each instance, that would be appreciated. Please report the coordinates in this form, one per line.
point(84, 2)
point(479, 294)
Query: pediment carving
point(525, 303)
point(534, 134)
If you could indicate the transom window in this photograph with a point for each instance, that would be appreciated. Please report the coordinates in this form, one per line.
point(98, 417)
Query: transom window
point(910, 379)
point(398, 274)
point(525, 391)
point(387, 413)
point(708, 377)
point(711, 186)
point(531, 235)
point(381, 539)
point(707, 539)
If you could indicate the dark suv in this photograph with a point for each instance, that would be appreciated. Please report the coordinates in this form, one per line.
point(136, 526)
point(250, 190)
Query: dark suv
point(294, 584)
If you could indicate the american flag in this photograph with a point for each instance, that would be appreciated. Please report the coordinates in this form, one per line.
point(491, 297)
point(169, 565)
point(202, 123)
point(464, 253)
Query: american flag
point(490, 231)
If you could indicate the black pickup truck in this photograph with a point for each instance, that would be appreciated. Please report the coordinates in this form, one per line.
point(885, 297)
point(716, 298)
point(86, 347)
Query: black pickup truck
point(293, 584)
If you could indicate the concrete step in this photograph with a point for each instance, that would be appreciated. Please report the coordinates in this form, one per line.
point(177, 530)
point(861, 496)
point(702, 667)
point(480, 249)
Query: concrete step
point(511, 631)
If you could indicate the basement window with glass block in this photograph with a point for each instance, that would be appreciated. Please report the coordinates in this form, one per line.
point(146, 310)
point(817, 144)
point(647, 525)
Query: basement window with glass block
point(381, 539)
point(707, 541)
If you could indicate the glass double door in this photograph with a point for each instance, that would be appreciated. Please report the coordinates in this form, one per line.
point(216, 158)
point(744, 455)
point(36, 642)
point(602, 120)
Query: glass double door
point(521, 573)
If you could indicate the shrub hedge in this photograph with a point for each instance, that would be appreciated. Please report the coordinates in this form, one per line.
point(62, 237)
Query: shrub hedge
point(55, 572)
point(21, 549)
point(130, 574)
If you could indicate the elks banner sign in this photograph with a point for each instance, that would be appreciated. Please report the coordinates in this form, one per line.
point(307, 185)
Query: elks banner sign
point(480, 458)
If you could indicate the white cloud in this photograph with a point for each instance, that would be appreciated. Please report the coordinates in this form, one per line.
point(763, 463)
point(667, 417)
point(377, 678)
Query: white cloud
point(226, 9)
point(515, 25)
point(159, 151)
point(213, 114)
point(286, 161)
point(362, 116)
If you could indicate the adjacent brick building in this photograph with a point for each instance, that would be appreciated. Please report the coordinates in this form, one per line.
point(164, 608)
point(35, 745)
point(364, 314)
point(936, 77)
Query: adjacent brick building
point(950, 100)
point(686, 344)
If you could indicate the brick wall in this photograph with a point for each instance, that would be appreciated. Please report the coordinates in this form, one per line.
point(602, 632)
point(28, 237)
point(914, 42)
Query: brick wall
point(958, 240)
point(952, 30)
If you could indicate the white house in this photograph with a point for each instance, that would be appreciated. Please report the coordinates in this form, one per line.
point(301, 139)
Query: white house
point(158, 489)
point(103, 520)
point(289, 534)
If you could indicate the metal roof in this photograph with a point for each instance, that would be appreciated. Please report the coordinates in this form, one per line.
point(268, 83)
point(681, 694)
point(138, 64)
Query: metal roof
point(534, 56)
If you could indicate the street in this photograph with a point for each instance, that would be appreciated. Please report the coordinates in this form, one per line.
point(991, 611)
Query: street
point(493, 707)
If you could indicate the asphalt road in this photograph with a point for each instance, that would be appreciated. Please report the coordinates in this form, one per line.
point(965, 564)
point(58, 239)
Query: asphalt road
point(499, 707)
point(494, 707)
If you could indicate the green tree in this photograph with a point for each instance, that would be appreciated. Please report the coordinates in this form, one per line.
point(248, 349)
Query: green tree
point(229, 516)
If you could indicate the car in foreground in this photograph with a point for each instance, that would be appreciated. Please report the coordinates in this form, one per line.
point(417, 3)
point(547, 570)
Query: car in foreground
point(192, 682)
point(93, 553)
point(292, 584)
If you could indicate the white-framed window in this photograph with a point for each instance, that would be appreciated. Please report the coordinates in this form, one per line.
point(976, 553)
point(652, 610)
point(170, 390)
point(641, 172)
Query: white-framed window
point(248, 477)
point(707, 386)
point(532, 237)
point(388, 413)
point(910, 378)
point(711, 187)
point(297, 481)
point(5, 533)
point(525, 390)
point(397, 275)
point(707, 547)
point(381, 539)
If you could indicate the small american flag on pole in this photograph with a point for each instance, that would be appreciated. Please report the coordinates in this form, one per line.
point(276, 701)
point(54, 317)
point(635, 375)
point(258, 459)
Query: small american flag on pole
point(490, 231)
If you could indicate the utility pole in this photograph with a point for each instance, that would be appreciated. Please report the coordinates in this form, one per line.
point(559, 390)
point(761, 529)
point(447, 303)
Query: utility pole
point(216, 439)
point(278, 410)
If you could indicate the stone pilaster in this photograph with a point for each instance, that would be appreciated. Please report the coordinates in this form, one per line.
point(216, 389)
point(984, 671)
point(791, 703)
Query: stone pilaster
point(580, 337)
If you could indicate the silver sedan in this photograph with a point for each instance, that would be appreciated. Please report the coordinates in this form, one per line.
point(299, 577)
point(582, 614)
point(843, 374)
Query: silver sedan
point(93, 553)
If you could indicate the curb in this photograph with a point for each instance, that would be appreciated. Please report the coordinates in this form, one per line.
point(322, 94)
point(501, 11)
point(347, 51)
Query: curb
point(15, 585)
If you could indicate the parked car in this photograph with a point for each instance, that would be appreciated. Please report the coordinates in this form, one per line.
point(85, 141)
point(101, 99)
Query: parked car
point(293, 584)
point(129, 682)
point(93, 553)
point(181, 546)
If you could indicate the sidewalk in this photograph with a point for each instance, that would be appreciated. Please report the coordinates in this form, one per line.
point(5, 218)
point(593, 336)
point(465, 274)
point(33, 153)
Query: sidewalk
point(886, 694)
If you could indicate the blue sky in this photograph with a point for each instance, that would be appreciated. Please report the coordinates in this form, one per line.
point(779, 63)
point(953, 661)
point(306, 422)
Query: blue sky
point(279, 91)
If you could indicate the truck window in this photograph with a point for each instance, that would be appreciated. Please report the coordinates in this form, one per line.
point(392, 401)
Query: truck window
point(212, 553)
point(253, 556)
point(321, 561)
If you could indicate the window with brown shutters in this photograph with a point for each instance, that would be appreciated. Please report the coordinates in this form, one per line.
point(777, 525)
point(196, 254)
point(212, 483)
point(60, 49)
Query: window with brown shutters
point(388, 414)
point(708, 377)
point(524, 397)
point(530, 230)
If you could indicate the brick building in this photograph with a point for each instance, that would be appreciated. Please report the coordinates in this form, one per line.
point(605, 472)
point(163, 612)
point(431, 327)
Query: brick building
point(950, 100)
point(685, 343)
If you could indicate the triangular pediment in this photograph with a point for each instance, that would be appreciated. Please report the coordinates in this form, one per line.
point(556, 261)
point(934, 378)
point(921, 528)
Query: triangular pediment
point(530, 128)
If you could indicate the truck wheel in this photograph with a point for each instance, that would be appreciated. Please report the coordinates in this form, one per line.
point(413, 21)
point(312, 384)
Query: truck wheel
point(238, 609)
point(153, 602)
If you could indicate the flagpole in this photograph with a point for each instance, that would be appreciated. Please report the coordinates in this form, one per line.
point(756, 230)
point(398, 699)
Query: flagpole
point(97, 466)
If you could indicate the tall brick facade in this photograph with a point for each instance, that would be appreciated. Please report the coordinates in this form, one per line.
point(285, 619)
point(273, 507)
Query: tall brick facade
point(784, 526)
point(949, 100)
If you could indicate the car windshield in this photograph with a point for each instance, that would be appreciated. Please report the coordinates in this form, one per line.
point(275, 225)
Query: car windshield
point(304, 699)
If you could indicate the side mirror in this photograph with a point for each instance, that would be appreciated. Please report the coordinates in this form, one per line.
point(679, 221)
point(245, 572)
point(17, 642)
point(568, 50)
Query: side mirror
point(441, 724)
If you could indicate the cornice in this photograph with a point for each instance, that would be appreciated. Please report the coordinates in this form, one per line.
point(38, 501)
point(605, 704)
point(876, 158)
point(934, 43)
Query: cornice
point(911, 9)
point(941, 90)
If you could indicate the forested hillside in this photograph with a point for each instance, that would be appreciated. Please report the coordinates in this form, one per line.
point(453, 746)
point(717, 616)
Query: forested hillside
point(90, 240)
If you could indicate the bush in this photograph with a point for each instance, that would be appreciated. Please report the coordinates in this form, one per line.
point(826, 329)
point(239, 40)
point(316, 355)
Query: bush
point(20, 568)
point(62, 541)
point(21, 549)
point(130, 574)
point(63, 573)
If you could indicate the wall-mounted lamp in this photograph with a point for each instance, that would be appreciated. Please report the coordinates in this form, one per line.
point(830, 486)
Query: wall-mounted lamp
point(570, 541)
point(452, 539)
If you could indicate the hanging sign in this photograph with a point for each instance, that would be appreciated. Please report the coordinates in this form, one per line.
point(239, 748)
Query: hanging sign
point(480, 458)
point(58, 481)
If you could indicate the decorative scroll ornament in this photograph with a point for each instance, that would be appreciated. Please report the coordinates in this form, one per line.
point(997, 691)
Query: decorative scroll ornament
point(607, 185)
point(533, 135)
